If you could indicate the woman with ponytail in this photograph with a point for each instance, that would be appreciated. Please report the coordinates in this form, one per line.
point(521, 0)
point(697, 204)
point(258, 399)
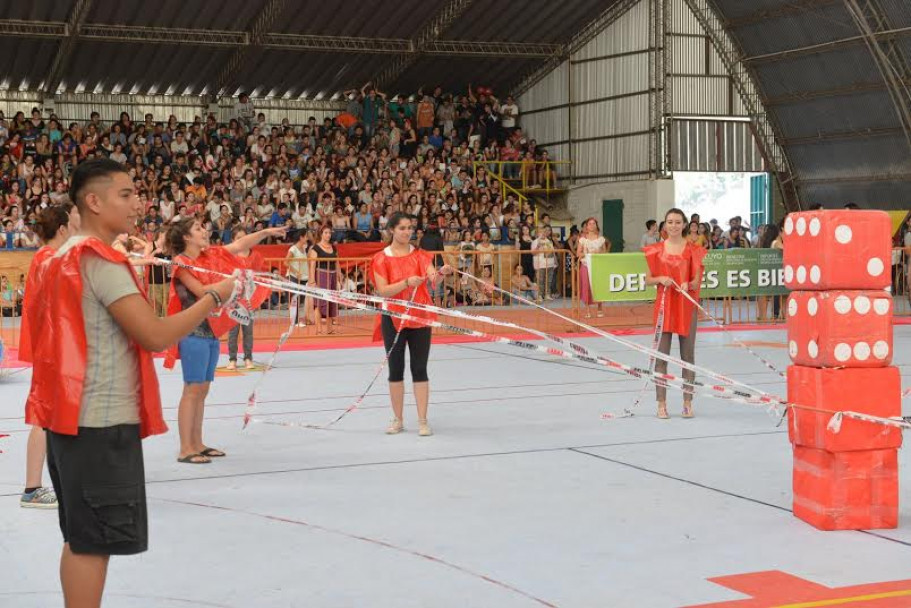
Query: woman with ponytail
point(55, 225)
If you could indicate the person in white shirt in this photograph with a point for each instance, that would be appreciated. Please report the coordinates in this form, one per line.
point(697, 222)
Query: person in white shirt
point(545, 263)
point(244, 111)
point(510, 112)
point(651, 235)
point(590, 242)
point(179, 145)
point(214, 209)
point(302, 216)
point(299, 271)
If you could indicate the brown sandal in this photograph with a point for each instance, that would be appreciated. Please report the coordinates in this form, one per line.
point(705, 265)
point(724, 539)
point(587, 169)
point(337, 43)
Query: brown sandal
point(194, 459)
point(688, 410)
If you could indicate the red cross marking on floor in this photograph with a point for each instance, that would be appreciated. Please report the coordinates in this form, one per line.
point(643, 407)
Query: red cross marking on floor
point(774, 589)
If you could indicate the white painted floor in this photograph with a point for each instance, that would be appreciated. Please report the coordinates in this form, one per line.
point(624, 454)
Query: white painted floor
point(524, 497)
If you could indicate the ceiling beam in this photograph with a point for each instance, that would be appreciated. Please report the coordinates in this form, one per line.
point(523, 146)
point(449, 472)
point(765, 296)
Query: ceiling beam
point(882, 177)
point(431, 32)
point(162, 35)
point(33, 29)
point(293, 42)
point(823, 47)
point(65, 50)
point(803, 96)
point(824, 137)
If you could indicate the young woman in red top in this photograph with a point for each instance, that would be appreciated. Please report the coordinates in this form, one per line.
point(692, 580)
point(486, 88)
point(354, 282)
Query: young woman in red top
point(55, 225)
point(675, 260)
point(397, 270)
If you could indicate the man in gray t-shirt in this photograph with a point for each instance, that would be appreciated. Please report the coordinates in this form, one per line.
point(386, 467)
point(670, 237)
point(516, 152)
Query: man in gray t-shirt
point(109, 396)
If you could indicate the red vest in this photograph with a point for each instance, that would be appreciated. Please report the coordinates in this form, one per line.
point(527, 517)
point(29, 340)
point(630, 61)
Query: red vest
point(60, 355)
point(32, 281)
point(221, 260)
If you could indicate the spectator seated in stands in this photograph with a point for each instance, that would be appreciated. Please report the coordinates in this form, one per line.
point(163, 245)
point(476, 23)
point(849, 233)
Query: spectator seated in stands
point(523, 286)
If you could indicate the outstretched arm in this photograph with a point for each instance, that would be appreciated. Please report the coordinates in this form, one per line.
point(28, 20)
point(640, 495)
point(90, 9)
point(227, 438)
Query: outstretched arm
point(245, 243)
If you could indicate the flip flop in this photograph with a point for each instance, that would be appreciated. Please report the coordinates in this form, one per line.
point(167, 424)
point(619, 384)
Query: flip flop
point(212, 453)
point(194, 459)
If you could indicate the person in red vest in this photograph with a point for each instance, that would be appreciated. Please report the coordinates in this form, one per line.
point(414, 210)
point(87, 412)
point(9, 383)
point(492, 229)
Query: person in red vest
point(188, 241)
point(675, 260)
point(97, 390)
point(401, 271)
point(55, 225)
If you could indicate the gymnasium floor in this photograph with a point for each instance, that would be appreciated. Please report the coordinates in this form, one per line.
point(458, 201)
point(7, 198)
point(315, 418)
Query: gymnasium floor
point(524, 497)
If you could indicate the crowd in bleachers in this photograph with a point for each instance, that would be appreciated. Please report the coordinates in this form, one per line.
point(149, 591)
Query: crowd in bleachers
point(418, 155)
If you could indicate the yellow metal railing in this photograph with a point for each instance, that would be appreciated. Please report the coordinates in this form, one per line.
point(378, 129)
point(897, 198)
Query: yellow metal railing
point(526, 176)
point(504, 185)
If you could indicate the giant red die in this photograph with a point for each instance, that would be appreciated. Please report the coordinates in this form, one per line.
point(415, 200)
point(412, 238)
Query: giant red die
point(873, 391)
point(840, 328)
point(847, 249)
point(846, 490)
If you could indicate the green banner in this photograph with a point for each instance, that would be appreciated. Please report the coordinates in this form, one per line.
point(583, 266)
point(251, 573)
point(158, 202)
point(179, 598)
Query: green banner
point(620, 277)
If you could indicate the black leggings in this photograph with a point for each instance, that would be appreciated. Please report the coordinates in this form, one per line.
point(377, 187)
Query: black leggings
point(418, 340)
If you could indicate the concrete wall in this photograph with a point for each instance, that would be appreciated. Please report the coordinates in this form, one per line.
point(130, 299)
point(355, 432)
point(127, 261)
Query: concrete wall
point(642, 201)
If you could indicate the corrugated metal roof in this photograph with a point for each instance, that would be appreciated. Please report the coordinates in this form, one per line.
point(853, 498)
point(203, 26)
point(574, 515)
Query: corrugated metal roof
point(875, 195)
point(526, 21)
point(366, 18)
point(311, 73)
point(898, 12)
point(828, 23)
point(185, 67)
point(24, 61)
point(221, 15)
point(859, 112)
point(152, 68)
point(838, 98)
point(454, 73)
point(36, 10)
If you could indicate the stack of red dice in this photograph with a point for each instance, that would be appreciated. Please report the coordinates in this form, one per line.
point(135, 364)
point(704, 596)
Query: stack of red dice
point(840, 339)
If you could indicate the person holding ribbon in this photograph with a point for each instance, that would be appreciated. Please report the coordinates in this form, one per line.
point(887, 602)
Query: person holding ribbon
point(96, 391)
point(401, 271)
point(188, 241)
point(675, 266)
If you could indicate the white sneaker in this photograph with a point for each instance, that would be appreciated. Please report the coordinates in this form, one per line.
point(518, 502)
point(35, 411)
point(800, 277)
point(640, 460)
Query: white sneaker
point(424, 429)
point(395, 427)
point(42, 498)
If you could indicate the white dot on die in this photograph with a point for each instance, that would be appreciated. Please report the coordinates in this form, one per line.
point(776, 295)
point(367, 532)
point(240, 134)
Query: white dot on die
point(842, 305)
point(862, 351)
point(862, 304)
point(812, 306)
point(814, 226)
point(788, 273)
point(875, 267)
point(813, 349)
point(792, 348)
point(843, 234)
point(842, 352)
point(815, 275)
point(801, 226)
point(788, 225)
point(881, 306)
point(801, 274)
point(881, 349)
point(792, 307)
